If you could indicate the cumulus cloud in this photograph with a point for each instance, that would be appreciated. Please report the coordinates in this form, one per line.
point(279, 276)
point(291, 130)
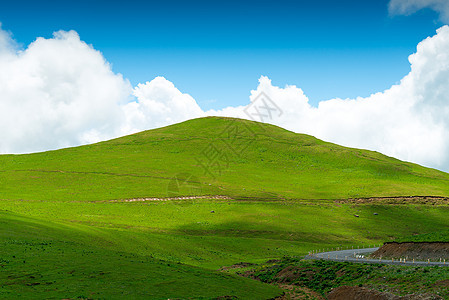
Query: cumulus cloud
point(159, 103)
point(408, 7)
point(409, 121)
point(6, 42)
point(58, 92)
point(61, 92)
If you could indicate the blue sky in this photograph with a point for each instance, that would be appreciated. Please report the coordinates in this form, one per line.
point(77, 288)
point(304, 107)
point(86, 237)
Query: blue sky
point(217, 50)
point(190, 59)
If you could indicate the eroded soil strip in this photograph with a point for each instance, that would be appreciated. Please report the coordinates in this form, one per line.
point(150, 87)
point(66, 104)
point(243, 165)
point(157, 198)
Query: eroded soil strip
point(428, 200)
point(215, 197)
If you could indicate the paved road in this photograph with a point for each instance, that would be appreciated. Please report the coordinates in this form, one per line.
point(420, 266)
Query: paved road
point(359, 256)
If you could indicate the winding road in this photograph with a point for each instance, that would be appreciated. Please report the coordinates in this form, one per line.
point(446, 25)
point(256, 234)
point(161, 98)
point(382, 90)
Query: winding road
point(359, 256)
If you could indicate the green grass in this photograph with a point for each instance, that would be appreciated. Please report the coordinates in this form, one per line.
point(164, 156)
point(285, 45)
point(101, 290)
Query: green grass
point(270, 163)
point(47, 260)
point(438, 236)
point(323, 276)
point(98, 237)
point(238, 230)
point(55, 210)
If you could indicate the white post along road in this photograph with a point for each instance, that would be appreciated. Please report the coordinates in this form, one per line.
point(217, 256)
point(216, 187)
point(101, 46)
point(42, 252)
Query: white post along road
point(361, 256)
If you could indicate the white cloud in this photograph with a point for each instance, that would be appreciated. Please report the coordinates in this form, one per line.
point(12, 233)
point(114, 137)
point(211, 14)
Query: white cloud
point(61, 92)
point(409, 121)
point(58, 92)
point(408, 7)
point(159, 103)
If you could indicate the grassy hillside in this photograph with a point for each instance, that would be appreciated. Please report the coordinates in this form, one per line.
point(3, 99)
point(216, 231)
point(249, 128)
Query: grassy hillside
point(56, 209)
point(47, 260)
point(225, 156)
point(322, 276)
point(437, 236)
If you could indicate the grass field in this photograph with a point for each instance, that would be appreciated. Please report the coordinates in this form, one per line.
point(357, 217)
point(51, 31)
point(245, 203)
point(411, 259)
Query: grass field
point(62, 236)
point(240, 158)
point(47, 260)
point(441, 235)
point(321, 276)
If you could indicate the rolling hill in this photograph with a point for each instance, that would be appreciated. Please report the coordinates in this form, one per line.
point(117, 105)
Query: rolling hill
point(225, 156)
point(67, 229)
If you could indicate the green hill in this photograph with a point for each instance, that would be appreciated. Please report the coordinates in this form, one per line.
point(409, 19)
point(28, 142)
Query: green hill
point(66, 231)
point(232, 157)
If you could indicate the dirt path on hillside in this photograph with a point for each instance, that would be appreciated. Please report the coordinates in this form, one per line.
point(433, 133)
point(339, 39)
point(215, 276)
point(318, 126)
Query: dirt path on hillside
point(425, 200)
point(214, 197)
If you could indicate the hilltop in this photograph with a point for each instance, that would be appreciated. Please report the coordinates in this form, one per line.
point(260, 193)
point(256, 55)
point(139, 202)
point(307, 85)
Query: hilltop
point(258, 192)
